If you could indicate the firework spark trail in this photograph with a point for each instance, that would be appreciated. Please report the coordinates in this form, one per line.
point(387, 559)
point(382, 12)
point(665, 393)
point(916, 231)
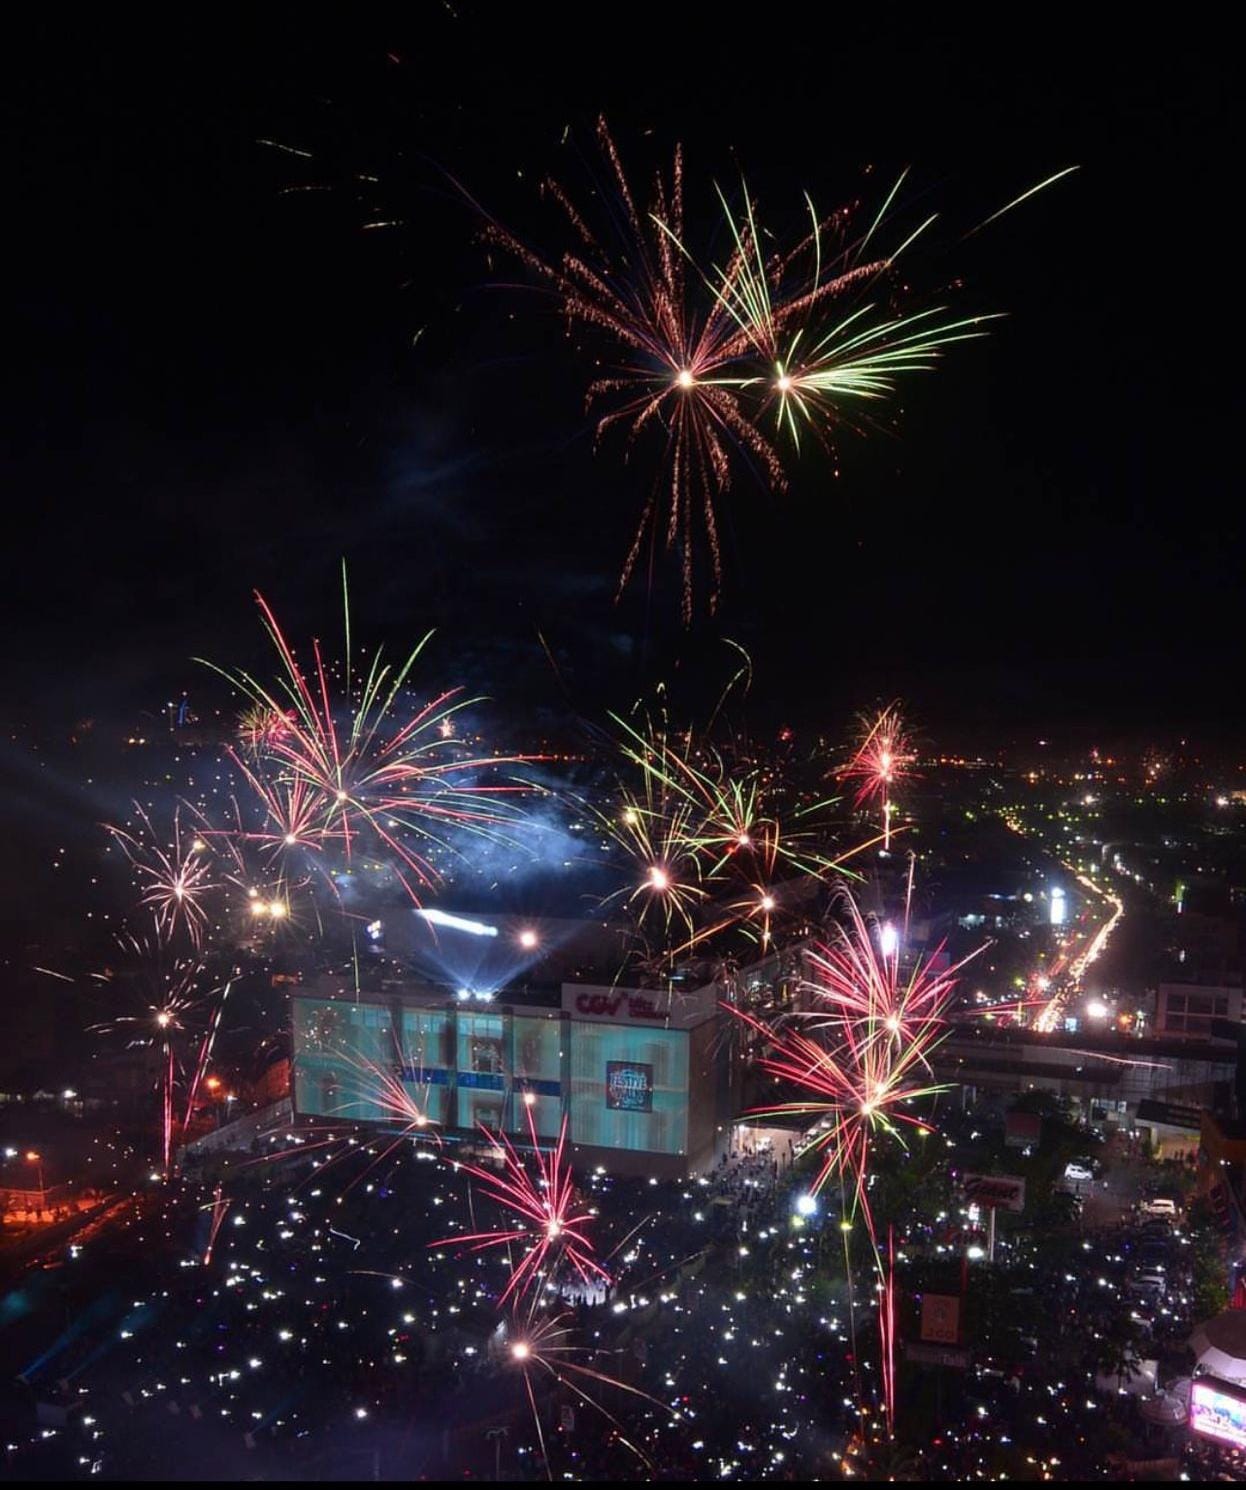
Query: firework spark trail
point(220, 1205)
point(859, 1061)
point(540, 1209)
point(205, 1055)
point(173, 878)
point(399, 782)
point(536, 1341)
point(376, 1086)
point(887, 1330)
point(171, 1001)
point(882, 757)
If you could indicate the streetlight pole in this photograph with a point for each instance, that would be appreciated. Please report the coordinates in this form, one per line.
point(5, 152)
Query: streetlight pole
point(37, 1159)
point(497, 1435)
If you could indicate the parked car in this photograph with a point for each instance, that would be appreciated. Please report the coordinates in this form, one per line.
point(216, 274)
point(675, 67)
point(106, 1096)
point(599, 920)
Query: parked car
point(1159, 1205)
point(1156, 1229)
point(1081, 1173)
point(1147, 1284)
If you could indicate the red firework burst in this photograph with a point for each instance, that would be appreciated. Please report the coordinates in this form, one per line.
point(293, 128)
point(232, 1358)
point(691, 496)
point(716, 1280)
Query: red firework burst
point(351, 764)
point(542, 1211)
point(883, 757)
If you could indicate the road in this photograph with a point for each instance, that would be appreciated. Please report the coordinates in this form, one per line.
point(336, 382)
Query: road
point(1067, 983)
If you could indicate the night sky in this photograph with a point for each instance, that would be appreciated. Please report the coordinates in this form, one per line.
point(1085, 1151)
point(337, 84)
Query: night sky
point(221, 383)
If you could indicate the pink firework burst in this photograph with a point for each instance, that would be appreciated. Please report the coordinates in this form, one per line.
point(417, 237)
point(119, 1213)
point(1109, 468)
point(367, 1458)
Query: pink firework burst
point(862, 1058)
point(869, 992)
point(360, 761)
point(541, 1212)
point(883, 757)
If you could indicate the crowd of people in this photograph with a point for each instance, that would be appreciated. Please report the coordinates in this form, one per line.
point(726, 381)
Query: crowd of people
point(323, 1315)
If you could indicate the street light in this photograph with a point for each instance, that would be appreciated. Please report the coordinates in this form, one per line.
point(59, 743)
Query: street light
point(37, 1159)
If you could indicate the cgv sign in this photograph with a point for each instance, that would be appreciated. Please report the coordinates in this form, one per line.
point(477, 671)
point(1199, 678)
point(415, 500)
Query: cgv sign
point(673, 1010)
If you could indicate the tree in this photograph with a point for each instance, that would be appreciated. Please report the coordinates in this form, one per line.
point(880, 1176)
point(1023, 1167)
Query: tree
point(1116, 1352)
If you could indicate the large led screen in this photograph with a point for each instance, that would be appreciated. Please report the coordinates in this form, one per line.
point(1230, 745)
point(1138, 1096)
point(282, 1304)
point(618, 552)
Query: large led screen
point(428, 1060)
point(629, 1087)
point(1216, 1414)
point(339, 1048)
point(536, 1075)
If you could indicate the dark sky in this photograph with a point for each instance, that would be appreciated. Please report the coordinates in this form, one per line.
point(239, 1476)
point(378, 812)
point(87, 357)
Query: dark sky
point(217, 385)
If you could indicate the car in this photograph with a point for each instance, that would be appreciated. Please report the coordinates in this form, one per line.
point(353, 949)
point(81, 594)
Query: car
point(1156, 1227)
point(1079, 1172)
point(1148, 1282)
point(1159, 1205)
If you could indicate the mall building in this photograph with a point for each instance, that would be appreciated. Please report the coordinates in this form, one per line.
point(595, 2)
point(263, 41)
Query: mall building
point(641, 1076)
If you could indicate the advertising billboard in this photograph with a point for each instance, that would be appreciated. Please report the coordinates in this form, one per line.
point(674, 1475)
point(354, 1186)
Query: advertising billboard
point(1000, 1192)
point(629, 1086)
point(941, 1318)
point(1022, 1130)
point(1218, 1411)
point(676, 1009)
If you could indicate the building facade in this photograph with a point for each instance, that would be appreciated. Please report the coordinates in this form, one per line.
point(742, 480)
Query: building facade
point(638, 1075)
point(1186, 1010)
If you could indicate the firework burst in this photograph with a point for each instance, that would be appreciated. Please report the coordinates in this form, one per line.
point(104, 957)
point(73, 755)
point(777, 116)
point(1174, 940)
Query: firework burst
point(860, 1061)
point(174, 875)
point(541, 1211)
point(883, 756)
point(678, 355)
point(543, 1343)
point(707, 851)
point(812, 331)
point(176, 1011)
point(366, 764)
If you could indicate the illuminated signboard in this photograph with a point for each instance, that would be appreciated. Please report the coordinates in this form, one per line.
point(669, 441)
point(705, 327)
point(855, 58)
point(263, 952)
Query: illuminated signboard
point(941, 1318)
point(1216, 1414)
point(678, 1009)
point(1003, 1192)
point(629, 1086)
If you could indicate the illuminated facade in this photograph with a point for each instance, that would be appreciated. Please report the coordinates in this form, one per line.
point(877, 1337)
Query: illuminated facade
point(642, 1082)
